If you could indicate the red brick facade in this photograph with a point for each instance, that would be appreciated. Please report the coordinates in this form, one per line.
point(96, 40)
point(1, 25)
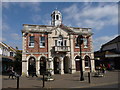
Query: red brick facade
point(36, 47)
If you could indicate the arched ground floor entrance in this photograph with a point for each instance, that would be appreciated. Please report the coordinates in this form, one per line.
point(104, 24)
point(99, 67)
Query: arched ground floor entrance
point(87, 63)
point(56, 62)
point(77, 62)
point(42, 65)
point(66, 62)
point(31, 65)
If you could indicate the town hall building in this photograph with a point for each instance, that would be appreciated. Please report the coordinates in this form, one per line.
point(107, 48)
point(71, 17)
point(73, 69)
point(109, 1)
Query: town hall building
point(54, 48)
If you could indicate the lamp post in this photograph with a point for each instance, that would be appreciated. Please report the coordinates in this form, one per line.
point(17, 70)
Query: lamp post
point(80, 42)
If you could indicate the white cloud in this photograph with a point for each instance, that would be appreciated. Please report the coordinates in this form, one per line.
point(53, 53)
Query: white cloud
point(16, 36)
point(36, 18)
point(35, 6)
point(5, 26)
point(92, 16)
point(98, 42)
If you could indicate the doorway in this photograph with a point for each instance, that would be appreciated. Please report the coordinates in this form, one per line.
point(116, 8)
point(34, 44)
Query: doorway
point(77, 60)
point(66, 64)
point(56, 65)
point(31, 65)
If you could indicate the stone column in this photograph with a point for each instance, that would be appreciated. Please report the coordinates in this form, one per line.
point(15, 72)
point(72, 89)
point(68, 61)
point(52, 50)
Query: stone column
point(50, 59)
point(27, 67)
point(61, 66)
point(24, 59)
point(92, 63)
point(83, 64)
point(92, 55)
point(51, 66)
point(38, 67)
point(73, 68)
point(24, 65)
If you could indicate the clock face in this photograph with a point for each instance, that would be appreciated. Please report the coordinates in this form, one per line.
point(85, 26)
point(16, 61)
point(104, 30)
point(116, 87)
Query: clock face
point(60, 37)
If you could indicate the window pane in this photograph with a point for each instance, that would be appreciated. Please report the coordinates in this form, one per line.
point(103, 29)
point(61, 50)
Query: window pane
point(65, 42)
point(31, 38)
point(85, 42)
point(42, 41)
point(31, 42)
point(42, 38)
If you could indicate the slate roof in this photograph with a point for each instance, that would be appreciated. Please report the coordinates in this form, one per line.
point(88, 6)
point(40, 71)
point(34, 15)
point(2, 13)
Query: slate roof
point(115, 40)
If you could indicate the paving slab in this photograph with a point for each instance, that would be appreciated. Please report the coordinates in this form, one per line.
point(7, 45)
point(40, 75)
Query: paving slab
point(63, 81)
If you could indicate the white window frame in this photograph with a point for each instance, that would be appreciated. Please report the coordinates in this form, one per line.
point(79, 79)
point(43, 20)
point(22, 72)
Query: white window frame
point(85, 42)
point(89, 62)
point(41, 42)
point(30, 42)
point(59, 41)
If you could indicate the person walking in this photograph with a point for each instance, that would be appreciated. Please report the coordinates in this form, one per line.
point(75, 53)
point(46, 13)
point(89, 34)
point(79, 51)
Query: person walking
point(11, 72)
point(103, 68)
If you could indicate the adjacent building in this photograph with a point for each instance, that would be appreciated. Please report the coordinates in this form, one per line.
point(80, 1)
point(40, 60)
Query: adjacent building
point(7, 54)
point(54, 48)
point(110, 53)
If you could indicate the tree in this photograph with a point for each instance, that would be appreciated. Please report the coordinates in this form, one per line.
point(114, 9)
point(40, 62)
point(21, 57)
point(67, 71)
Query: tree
point(18, 61)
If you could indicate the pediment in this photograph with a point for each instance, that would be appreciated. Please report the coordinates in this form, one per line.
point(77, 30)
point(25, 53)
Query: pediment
point(59, 31)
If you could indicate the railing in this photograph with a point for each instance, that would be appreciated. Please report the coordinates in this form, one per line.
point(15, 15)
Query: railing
point(62, 48)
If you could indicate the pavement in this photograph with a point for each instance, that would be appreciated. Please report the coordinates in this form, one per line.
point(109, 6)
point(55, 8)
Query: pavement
point(64, 81)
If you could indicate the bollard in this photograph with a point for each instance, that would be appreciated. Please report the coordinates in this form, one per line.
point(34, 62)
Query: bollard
point(89, 77)
point(17, 82)
point(43, 80)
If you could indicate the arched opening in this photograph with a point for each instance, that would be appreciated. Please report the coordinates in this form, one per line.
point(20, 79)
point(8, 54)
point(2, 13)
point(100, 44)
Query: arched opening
point(31, 65)
point(87, 62)
point(66, 61)
point(56, 65)
point(77, 60)
point(57, 17)
point(42, 65)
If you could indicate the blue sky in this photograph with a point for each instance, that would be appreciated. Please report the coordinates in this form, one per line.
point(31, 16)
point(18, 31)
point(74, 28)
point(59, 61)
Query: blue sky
point(100, 16)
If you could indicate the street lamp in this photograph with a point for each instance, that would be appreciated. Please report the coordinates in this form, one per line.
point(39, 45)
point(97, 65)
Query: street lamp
point(80, 42)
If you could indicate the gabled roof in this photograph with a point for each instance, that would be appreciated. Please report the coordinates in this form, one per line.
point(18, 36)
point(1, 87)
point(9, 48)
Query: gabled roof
point(7, 47)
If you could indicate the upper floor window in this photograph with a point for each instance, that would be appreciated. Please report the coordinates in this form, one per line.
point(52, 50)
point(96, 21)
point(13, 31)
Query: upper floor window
point(42, 42)
point(60, 42)
point(85, 43)
point(76, 44)
point(11, 53)
point(31, 41)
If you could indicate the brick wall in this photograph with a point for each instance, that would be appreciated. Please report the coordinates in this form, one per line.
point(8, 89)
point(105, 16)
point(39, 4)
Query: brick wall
point(36, 47)
point(82, 46)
